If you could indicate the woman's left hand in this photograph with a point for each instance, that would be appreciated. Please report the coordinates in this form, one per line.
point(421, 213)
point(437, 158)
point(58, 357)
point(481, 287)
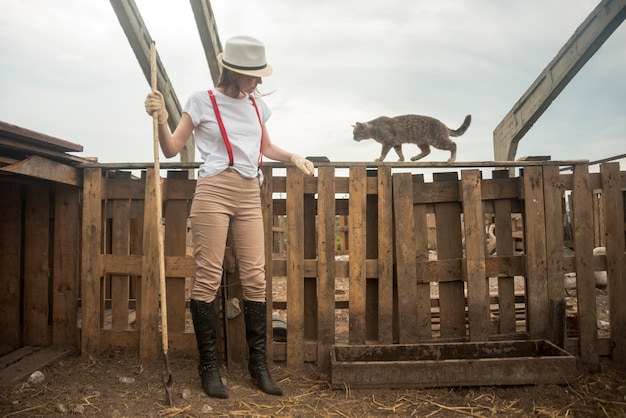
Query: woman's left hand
point(303, 164)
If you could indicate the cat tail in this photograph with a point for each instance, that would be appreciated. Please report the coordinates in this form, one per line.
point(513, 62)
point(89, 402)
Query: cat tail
point(463, 128)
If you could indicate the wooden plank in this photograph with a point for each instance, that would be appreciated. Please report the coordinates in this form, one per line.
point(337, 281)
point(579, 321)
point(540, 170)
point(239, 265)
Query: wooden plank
point(357, 234)
point(10, 259)
point(326, 264)
point(267, 209)
point(553, 195)
point(371, 253)
point(295, 267)
point(385, 256)
point(36, 264)
point(477, 282)
point(66, 264)
point(120, 245)
point(91, 231)
point(405, 258)
point(536, 269)
point(35, 166)
point(310, 253)
point(453, 364)
point(613, 207)
point(448, 224)
point(420, 228)
point(176, 216)
point(585, 281)
point(148, 319)
point(504, 248)
point(31, 361)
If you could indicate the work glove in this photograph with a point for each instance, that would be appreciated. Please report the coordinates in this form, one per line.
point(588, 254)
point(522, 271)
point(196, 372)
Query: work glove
point(303, 164)
point(155, 103)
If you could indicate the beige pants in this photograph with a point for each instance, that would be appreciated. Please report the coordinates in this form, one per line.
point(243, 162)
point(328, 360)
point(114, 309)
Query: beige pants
point(223, 201)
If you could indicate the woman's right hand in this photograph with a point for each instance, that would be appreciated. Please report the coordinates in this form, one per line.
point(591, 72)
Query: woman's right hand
point(156, 103)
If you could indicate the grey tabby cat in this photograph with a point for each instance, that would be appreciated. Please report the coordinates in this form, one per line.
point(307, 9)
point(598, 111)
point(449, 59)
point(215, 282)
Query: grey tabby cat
point(424, 131)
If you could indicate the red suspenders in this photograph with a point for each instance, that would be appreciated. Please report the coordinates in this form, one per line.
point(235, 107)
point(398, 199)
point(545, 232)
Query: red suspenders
point(229, 148)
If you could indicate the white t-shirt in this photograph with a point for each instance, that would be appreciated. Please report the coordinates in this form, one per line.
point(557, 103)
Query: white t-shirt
point(242, 126)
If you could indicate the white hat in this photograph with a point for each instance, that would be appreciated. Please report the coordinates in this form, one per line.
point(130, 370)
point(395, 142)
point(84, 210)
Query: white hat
point(245, 55)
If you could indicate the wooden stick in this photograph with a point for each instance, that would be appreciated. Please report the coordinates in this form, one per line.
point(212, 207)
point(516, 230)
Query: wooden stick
point(167, 375)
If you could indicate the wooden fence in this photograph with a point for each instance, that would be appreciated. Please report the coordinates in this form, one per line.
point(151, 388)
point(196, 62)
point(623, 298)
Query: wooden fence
point(394, 285)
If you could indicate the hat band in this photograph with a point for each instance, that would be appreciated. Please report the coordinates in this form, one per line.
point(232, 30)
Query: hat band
point(239, 67)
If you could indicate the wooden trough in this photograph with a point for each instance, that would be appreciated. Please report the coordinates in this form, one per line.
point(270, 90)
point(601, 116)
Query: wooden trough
point(524, 362)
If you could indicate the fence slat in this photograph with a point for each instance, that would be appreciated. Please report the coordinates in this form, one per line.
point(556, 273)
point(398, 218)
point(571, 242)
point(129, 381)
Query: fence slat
point(613, 205)
point(405, 258)
point(477, 282)
point(148, 324)
point(120, 245)
point(176, 214)
point(448, 224)
point(295, 267)
point(326, 264)
point(357, 233)
point(585, 281)
point(90, 262)
point(267, 209)
point(504, 248)
point(36, 267)
point(534, 224)
point(553, 195)
point(420, 228)
point(385, 256)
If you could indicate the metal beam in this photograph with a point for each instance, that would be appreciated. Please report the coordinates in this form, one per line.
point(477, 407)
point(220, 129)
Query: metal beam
point(207, 28)
point(585, 41)
point(140, 39)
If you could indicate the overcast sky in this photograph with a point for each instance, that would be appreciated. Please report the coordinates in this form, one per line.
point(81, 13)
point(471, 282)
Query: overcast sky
point(67, 70)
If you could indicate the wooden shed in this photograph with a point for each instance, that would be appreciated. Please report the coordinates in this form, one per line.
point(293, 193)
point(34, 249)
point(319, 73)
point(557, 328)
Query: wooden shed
point(40, 215)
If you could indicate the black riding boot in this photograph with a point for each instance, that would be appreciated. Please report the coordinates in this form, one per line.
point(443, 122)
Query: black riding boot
point(255, 314)
point(205, 326)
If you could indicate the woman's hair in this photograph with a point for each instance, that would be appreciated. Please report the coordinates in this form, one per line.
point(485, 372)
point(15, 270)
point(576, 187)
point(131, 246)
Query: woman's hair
point(226, 80)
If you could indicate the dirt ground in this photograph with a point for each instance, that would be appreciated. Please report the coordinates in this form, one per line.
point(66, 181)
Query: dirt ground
point(117, 385)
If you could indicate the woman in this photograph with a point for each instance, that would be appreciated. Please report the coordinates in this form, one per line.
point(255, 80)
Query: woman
point(230, 133)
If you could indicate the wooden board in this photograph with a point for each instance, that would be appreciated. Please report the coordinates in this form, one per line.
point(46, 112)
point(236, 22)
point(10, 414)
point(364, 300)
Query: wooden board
point(10, 255)
point(357, 232)
point(20, 364)
point(295, 273)
point(405, 258)
point(405, 366)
